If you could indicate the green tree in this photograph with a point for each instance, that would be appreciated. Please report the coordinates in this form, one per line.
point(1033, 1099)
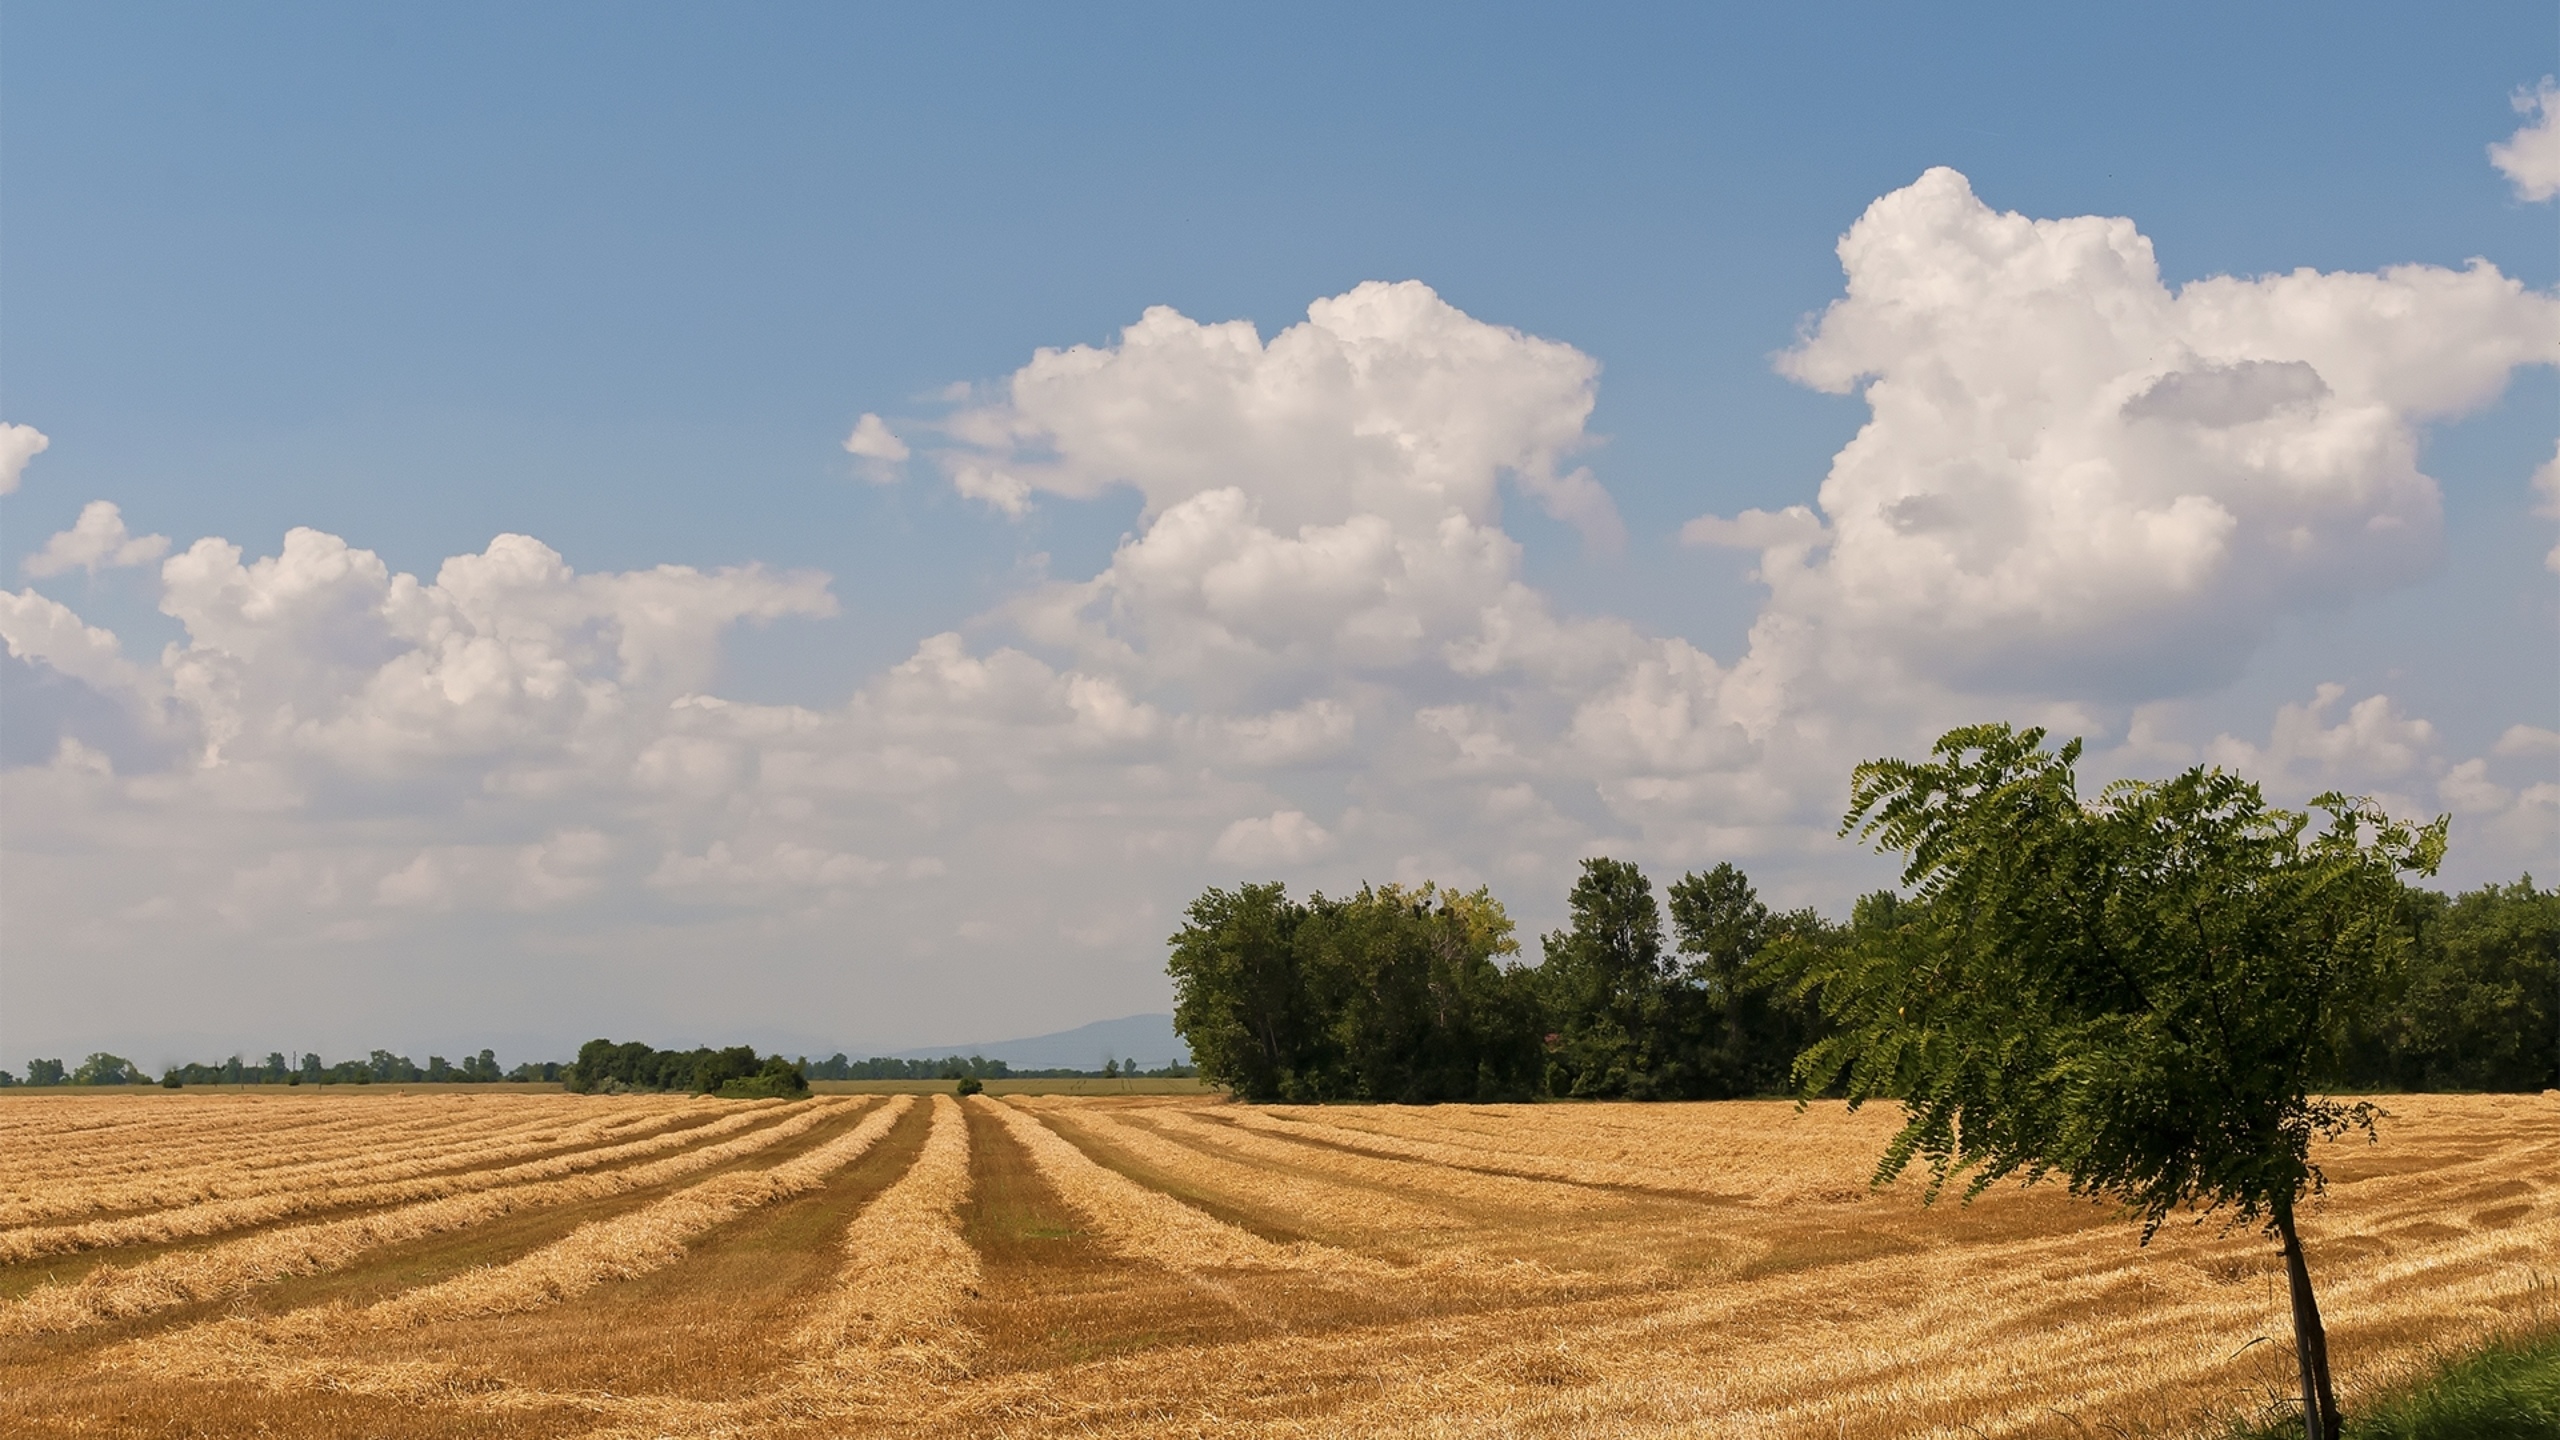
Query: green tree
point(2476, 1005)
point(1240, 999)
point(102, 1068)
point(1607, 986)
point(2131, 993)
point(45, 1072)
point(1416, 1007)
point(1742, 1033)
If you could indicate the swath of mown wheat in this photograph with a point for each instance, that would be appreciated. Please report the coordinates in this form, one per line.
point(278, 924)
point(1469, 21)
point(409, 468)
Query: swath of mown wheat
point(907, 1271)
point(1148, 1225)
point(187, 1276)
point(211, 1205)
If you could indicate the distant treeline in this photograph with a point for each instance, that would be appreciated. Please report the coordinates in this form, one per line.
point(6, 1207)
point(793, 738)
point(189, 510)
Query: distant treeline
point(1405, 996)
point(602, 1065)
point(975, 1067)
point(734, 1073)
point(379, 1068)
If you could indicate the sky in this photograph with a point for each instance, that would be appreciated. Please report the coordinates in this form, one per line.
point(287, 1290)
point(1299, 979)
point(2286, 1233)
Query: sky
point(830, 525)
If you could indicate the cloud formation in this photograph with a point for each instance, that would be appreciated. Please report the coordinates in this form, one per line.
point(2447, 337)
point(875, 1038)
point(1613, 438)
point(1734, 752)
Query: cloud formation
point(2530, 158)
point(18, 445)
point(2081, 492)
point(2077, 479)
point(96, 540)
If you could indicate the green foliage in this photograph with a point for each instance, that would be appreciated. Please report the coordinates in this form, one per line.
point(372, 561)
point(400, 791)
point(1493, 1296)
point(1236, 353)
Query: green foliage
point(2476, 1003)
point(1606, 983)
point(775, 1079)
point(733, 1073)
point(968, 1085)
point(102, 1068)
point(2508, 1391)
point(46, 1072)
point(1240, 1000)
point(1387, 995)
point(2132, 993)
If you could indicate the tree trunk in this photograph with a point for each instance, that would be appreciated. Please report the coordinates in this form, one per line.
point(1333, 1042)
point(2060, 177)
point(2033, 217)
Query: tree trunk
point(2310, 1341)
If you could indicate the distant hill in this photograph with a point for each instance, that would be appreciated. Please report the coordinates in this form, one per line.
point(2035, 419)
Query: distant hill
point(1147, 1039)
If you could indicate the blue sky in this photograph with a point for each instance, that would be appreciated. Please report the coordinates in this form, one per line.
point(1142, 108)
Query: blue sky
point(623, 278)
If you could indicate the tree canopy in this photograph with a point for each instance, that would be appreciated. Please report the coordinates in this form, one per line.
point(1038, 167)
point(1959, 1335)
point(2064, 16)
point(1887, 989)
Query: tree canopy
point(2135, 993)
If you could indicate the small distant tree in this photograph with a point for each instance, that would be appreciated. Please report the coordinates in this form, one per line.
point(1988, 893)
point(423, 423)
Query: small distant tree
point(2131, 993)
point(45, 1072)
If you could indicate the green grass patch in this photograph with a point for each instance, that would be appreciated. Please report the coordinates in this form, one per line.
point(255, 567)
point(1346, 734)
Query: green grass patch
point(2508, 1391)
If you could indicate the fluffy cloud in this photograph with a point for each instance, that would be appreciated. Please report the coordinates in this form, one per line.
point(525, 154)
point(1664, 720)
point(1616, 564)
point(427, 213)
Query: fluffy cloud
point(880, 454)
point(2077, 479)
point(2079, 489)
point(2530, 158)
point(18, 445)
point(97, 539)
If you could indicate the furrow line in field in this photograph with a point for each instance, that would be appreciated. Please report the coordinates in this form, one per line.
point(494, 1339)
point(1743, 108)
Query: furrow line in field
point(1279, 1192)
point(344, 1133)
point(426, 1157)
point(195, 1150)
point(1252, 1138)
point(635, 1244)
point(1145, 1224)
point(244, 1347)
point(907, 1271)
point(232, 1266)
point(213, 1217)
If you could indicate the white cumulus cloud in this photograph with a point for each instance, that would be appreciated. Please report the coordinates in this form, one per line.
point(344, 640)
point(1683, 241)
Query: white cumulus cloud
point(880, 453)
point(18, 445)
point(2530, 158)
point(2079, 478)
point(97, 539)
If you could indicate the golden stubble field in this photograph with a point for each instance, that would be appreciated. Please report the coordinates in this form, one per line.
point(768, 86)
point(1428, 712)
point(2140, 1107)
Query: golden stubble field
point(551, 1265)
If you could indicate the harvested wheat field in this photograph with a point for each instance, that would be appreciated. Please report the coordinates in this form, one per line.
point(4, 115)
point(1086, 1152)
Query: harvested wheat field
point(557, 1265)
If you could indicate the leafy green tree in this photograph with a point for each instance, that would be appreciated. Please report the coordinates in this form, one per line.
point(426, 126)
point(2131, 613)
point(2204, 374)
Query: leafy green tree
point(1416, 1007)
point(2132, 993)
point(1240, 999)
point(102, 1068)
point(2476, 1005)
point(1742, 1032)
point(45, 1072)
point(1607, 984)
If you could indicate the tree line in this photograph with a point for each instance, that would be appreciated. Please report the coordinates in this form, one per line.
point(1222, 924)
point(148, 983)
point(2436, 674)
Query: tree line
point(616, 1064)
point(976, 1067)
point(1415, 995)
point(381, 1067)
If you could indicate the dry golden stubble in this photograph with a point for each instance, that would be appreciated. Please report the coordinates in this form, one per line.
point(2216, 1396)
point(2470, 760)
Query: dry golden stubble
point(1294, 1143)
point(1148, 1225)
point(220, 1130)
point(213, 1217)
point(1202, 1159)
point(231, 1267)
point(289, 1350)
point(1868, 1317)
point(891, 1316)
point(253, 1172)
